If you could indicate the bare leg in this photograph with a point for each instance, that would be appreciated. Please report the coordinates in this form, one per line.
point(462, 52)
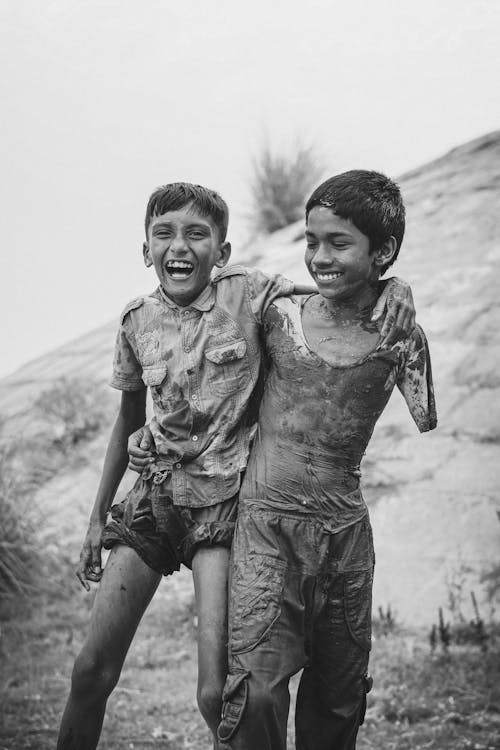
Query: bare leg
point(210, 574)
point(125, 591)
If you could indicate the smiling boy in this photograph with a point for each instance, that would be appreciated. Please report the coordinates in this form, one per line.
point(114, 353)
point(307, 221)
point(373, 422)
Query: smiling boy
point(302, 561)
point(195, 343)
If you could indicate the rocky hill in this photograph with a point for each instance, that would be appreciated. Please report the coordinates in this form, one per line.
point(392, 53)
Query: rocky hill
point(434, 498)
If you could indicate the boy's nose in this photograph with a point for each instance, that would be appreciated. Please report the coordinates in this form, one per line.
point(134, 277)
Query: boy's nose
point(178, 244)
point(323, 256)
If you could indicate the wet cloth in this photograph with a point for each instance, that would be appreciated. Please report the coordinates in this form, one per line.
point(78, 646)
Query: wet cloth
point(300, 597)
point(302, 557)
point(316, 419)
point(201, 363)
point(164, 535)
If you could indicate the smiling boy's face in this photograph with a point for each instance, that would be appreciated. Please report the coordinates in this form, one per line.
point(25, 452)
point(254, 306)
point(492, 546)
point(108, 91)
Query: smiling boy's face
point(184, 246)
point(338, 255)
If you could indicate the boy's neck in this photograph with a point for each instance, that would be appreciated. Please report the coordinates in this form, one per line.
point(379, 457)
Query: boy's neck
point(357, 307)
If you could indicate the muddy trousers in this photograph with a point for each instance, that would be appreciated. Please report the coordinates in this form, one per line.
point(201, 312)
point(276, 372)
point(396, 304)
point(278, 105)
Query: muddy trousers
point(300, 598)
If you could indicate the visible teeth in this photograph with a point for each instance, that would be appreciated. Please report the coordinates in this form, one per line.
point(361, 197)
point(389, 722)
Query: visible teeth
point(179, 264)
point(327, 276)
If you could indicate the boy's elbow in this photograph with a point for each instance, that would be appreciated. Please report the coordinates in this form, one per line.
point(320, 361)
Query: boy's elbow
point(133, 409)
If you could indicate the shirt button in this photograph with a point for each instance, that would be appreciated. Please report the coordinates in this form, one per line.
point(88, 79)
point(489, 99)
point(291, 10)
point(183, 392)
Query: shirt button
point(186, 312)
point(178, 466)
point(194, 438)
point(304, 502)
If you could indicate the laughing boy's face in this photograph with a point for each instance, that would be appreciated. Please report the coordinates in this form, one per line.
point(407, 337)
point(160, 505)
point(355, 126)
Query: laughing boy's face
point(184, 246)
point(338, 255)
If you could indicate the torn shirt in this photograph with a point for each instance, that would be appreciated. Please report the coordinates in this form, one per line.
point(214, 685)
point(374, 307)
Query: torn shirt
point(316, 419)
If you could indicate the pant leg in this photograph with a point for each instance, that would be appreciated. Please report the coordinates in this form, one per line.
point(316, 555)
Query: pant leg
point(269, 591)
point(332, 694)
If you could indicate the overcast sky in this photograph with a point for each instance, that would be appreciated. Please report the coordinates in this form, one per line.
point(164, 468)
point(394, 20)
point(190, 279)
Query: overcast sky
point(103, 100)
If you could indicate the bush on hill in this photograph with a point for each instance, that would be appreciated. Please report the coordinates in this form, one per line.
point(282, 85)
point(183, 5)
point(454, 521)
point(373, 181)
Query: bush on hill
point(279, 186)
point(65, 416)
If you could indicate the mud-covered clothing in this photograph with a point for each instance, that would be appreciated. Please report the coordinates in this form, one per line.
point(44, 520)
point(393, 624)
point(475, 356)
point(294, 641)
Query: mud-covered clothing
point(165, 535)
point(316, 419)
point(302, 558)
point(201, 363)
point(300, 597)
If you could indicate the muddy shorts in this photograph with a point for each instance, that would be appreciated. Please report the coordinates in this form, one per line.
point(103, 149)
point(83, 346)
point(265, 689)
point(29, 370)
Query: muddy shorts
point(165, 535)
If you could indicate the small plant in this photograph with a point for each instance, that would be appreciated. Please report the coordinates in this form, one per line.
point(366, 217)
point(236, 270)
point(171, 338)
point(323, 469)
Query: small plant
point(444, 631)
point(461, 632)
point(385, 622)
point(279, 186)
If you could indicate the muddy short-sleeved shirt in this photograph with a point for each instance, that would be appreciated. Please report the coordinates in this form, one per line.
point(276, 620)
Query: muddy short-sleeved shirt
point(316, 419)
point(201, 363)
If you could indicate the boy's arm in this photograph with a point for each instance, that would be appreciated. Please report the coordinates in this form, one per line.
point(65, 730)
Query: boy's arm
point(304, 289)
point(396, 298)
point(131, 416)
point(414, 380)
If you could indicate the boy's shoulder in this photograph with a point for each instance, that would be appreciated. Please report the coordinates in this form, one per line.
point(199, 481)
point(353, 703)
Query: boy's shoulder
point(138, 302)
point(232, 271)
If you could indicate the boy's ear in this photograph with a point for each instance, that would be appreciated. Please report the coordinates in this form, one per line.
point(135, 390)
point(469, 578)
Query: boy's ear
point(223, 254)
point(385, 253)
point(146, 255)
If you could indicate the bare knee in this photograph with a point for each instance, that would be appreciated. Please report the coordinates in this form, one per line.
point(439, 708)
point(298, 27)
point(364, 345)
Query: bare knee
point(93, 677)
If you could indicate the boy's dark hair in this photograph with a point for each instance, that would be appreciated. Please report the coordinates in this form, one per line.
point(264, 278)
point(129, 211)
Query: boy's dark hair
point(370, 200)
point(177, 195)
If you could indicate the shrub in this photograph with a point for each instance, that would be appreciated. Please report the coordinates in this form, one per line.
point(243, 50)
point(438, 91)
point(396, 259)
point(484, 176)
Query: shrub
point(69, 413)
point(18, 555)
point(73, 410)
point(279, 186)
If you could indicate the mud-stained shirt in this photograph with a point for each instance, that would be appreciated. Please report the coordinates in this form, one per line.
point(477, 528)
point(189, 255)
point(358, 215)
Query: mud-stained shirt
point(201, 364)
point(316, 419)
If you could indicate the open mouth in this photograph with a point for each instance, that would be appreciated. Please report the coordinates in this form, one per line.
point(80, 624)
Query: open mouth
point(179, 269)
point(331, 276)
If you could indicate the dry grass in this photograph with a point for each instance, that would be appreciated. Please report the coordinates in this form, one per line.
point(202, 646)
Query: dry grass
point(420, 700)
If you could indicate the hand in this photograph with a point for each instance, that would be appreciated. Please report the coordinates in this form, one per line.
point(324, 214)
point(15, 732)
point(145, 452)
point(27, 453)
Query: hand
point(400, 315)
point(140, 445)
point(89, 567)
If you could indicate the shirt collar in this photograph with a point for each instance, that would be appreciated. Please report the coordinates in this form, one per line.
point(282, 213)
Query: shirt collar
point(204, 301)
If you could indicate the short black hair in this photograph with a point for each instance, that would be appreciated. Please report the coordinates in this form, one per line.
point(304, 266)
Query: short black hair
point(372, 201)
point(177, 195)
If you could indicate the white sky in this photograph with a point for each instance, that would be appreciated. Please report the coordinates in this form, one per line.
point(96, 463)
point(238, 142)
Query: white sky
point(103, 100)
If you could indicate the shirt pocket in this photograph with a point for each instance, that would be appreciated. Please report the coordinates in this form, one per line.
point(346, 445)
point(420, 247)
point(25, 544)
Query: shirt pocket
point(156, 378)
point(227, 367)
point(154, 375)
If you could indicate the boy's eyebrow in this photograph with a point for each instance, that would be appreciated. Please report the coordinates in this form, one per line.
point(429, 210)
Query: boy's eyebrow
point(331, 234)
point(194, 223)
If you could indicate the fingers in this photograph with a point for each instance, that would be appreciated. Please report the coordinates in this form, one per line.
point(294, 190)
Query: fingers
point(95, 574)
point(392, 336)
point(81, 571)
point(139, 449)
point(379, 308)
point(90, 565)
point(138, 462)
point(147, 439)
